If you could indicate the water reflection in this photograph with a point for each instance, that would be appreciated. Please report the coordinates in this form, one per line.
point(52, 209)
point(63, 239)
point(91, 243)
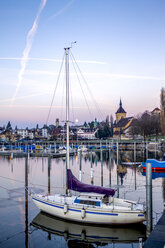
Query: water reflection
point(136, 156)
point(75, 233)
point(119, 156)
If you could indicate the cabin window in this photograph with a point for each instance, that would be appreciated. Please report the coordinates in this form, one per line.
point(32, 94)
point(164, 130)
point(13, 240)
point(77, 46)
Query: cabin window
point(87, 202)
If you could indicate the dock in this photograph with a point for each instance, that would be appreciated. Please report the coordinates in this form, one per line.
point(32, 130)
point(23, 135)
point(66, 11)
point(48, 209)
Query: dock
point(37, 154)
point(157, 236)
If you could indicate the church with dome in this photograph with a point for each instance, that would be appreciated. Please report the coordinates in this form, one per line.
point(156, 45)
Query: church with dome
point(122, 124)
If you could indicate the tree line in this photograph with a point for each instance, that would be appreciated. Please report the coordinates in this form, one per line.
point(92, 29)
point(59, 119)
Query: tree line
point(145, 125)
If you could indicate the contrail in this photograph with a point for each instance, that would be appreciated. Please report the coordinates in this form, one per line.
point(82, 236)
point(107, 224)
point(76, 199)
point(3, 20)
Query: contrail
point(62, 10)
point(54, 60)
point(27, 49)
point(24, 97)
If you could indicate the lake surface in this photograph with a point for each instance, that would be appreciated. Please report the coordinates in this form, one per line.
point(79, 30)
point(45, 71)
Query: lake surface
point(22, 224)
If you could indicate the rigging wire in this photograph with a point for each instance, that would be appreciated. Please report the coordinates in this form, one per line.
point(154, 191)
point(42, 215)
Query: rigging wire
point(81, 87)
point(55, 89)
point(72, 103)
point(27, 188)
point(62, 102)
point(98, 109)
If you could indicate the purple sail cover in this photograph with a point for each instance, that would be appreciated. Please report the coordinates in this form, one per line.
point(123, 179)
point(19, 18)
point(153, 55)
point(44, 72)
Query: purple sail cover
point(76, 185)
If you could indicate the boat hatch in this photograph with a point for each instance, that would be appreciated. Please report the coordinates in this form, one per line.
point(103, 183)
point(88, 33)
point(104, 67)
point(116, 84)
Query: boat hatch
point(87, 202)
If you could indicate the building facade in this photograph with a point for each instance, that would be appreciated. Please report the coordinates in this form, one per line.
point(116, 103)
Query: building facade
point(122, 125)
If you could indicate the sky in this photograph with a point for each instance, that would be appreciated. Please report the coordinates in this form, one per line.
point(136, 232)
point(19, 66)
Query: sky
point(119, 51)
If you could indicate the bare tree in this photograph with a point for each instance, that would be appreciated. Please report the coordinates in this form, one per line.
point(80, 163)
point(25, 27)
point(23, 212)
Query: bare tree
point(156, 127)
point(134, 129)
point(111, 124)
point(146, 124)
point(107, 119)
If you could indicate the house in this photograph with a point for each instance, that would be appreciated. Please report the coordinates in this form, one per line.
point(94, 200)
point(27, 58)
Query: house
point(57, 133)
point(8, 135)
point(123, 124)
point(22, 132)
point(86, 134)
point(31, 134)
point(26, 133)
point(45, 132)
point(156, 111)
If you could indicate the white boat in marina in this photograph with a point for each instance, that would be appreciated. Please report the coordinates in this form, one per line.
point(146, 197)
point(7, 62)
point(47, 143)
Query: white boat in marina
point(82, 149)
point(95, 204)
point(61, 150)
point(91, 208)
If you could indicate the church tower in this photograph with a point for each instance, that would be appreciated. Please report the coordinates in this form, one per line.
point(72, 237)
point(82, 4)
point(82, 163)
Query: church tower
point(57, 122)
point(120, 113)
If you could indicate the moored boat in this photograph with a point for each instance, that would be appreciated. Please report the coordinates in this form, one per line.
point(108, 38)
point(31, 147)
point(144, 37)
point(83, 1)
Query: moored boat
point(95, 204)
point(91, 208)
point(157, 166)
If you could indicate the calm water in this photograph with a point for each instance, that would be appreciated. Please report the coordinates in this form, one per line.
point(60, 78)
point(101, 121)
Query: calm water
point(22, 225)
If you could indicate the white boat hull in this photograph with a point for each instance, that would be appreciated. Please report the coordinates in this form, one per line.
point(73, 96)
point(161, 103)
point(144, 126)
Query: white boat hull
point(89, 214)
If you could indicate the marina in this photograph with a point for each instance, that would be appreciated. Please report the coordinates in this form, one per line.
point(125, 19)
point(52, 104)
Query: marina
point(82, 124)
point(22, 222)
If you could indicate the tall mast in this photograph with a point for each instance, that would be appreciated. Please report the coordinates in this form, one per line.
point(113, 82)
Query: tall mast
point(67, 113)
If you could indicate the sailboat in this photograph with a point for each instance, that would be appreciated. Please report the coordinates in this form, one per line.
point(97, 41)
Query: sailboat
point(93, 204)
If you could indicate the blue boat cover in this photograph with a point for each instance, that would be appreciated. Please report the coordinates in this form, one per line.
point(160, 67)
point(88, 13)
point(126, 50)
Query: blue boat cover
point(76, 185)
point(155, 163)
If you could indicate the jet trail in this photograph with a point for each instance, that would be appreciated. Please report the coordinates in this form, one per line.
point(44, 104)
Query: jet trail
point(62, 10)
point(27, 49)
point(55, 60)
